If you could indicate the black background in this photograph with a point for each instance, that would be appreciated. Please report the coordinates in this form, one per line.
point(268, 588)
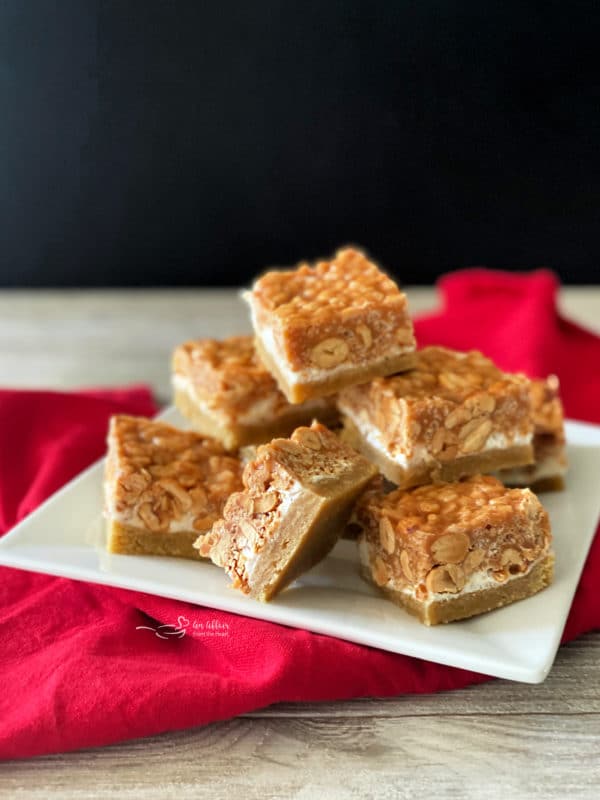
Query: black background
point(162, 142)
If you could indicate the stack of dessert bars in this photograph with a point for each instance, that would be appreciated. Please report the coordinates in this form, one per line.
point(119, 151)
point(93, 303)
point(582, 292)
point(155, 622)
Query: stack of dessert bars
point(330, 422)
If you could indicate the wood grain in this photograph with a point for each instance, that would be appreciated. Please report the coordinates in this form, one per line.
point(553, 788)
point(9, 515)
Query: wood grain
point(497, 740)
point(464, 756)
point(76, 338)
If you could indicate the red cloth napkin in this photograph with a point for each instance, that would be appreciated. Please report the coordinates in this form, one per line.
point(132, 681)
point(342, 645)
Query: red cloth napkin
point(86, 665)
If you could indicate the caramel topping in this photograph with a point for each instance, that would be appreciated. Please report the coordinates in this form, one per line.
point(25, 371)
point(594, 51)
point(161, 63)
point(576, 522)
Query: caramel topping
point(344, 311)
point(348, 281)
point(439, 535)
point(451, 375)
point(158, 474)
point(451, 403)
point(279, 470)
point(227, 373)
point(546, 406)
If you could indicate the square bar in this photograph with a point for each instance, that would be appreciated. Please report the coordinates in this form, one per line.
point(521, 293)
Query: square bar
point(453, 550)
point(455, 414)
point(321, 328)
point(298, 494)
point(163, 487)
point(549, 442)
point(225, 391)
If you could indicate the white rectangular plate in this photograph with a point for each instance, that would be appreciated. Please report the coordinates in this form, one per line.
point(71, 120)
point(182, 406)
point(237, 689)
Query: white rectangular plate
point(518, 642)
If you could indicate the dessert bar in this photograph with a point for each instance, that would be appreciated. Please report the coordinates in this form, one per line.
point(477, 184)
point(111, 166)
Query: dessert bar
point(452, 550)
point(225, 391)
point(163, 487)
point(455, 414)
point(321, 328)
point(298, 494)
point(549, 469)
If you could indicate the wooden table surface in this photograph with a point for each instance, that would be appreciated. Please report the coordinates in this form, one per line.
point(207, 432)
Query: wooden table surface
point(497, 740)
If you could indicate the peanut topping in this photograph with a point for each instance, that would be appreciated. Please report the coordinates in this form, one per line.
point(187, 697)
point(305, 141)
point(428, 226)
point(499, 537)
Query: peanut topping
point(340, 311)
point(265, 502)
point(313, 453)
point(329, 353)
point(451, 403)
point(387, 535)
point(229, 378)
point(307, 437)
point(437, 440)
point(280, 470)
point(477, 436)
point(512, 560)
point(450, 548)
point(381, 572)
point(177, 491)
point(347, 281)
point(365, 334)
point(449, 578)
point(406, 567)
point(157, 475)
point(436, 537)
point(473, 561)
point(147, 515)
point(547, 407)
